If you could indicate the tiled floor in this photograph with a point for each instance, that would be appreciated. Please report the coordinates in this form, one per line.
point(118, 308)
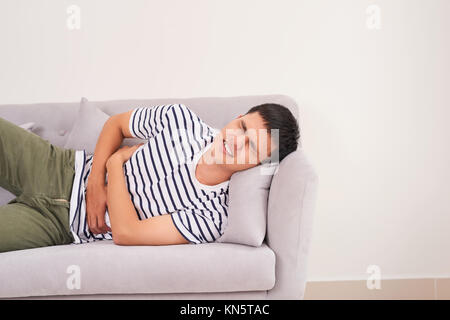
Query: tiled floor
point(419, 289)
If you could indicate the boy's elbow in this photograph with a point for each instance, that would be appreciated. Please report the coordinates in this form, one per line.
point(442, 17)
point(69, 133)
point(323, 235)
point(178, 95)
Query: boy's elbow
point(117, 240)
point(122, 237)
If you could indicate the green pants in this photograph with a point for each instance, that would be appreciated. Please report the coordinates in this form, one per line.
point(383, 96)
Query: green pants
point(40, 175)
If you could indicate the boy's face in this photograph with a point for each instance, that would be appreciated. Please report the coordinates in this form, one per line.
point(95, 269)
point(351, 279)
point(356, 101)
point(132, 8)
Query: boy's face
point(243, 143)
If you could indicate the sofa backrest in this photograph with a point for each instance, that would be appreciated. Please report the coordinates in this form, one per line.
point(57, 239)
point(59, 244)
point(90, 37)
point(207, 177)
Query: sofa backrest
point(55, 120)
point(215, 111)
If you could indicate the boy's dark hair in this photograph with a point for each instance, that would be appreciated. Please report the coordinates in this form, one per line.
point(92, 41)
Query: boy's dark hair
point(279, 117)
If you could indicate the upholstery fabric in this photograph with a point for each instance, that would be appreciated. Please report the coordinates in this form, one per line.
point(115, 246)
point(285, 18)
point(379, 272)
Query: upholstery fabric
point(88, 126)
point(104, 267)
point(247, 211)
point(86, 130)
point(27, 126)
point(289, 226)
point(52, 121)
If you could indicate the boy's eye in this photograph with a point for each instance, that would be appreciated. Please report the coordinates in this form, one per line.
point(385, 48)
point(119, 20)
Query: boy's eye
point(244, 129)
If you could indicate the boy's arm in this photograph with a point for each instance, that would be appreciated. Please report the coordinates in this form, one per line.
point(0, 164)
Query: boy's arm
point(113, 132)
point(111, 137)
point(127, 229)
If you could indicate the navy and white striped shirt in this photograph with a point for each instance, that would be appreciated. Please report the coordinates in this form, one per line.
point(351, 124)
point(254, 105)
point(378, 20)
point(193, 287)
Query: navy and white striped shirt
point(160, 176)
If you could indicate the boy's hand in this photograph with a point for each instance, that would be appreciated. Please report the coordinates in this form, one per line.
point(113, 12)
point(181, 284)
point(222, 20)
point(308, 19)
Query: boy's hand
point(123, 154)
point(96, 208)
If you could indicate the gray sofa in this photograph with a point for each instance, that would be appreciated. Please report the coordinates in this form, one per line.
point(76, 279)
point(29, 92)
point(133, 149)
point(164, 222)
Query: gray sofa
point(275, 270)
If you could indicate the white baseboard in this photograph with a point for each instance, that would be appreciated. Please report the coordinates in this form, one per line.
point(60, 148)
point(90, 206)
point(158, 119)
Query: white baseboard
point(389, 289)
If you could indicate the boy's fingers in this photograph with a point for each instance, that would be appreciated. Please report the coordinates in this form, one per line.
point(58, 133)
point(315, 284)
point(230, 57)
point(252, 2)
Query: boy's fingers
point(105, 227)
point(95, 226)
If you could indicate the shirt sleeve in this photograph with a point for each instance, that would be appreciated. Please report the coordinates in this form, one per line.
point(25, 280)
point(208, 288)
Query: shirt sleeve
point(146, 122)
point(195, 226)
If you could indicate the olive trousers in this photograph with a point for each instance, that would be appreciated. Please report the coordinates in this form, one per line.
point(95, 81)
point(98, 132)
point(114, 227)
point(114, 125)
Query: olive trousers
point(40, 175)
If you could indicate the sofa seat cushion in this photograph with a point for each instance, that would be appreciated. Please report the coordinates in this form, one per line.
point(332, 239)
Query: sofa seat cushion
point(102, 267)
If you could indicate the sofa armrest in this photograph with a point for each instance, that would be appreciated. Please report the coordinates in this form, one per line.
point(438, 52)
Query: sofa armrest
point(290, 211)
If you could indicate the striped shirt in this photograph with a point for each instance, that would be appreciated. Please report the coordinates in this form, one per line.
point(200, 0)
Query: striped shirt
point(160, 176)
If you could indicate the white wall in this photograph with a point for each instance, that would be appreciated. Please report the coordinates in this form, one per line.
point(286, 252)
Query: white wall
point(374, 103)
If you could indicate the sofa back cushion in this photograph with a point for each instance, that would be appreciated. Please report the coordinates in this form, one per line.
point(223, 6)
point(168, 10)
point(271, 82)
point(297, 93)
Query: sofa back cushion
point(87, 128)
point(247, 207)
